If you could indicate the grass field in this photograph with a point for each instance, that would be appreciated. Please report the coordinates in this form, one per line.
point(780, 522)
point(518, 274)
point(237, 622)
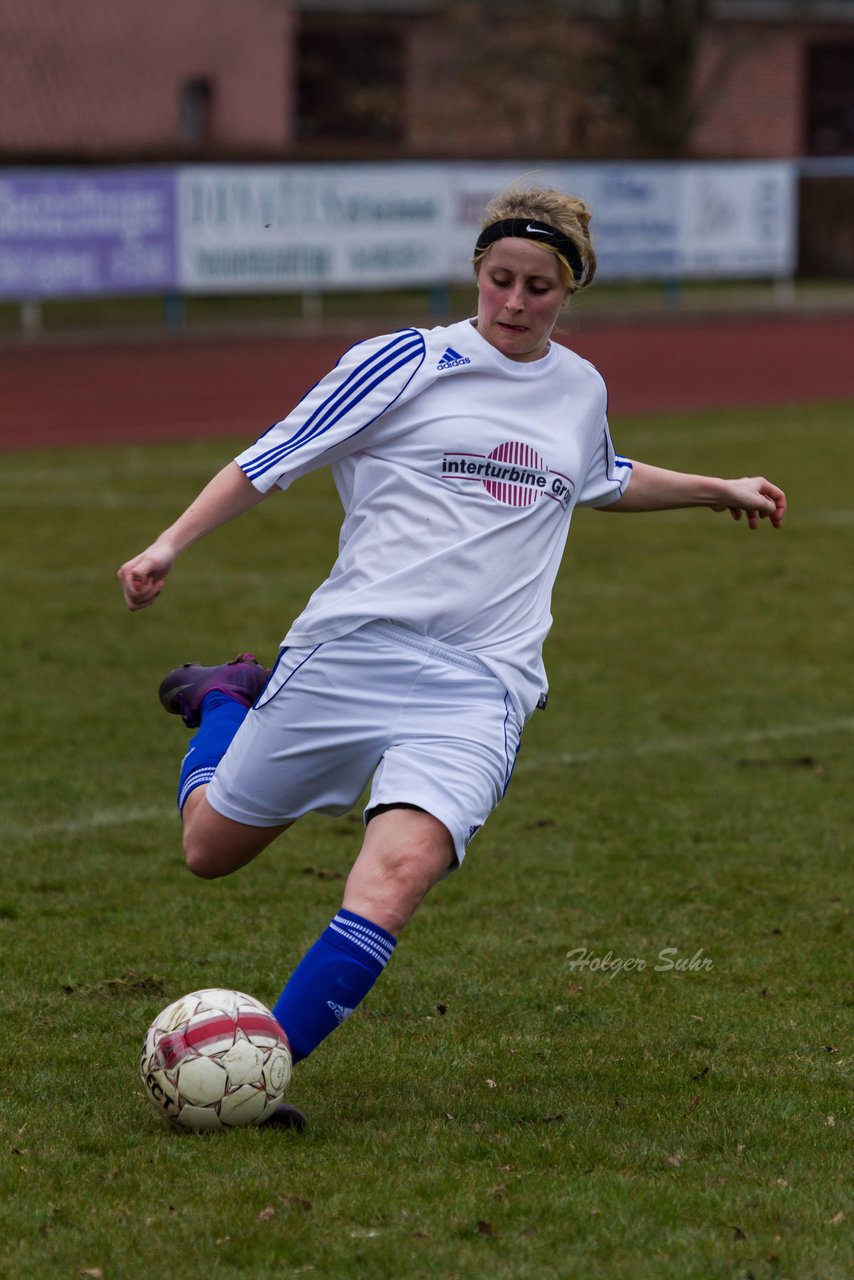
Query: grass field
point(112, 316)
point(496, 1108)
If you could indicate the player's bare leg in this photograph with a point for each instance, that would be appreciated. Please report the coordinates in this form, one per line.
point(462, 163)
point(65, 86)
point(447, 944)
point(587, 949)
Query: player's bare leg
point(215, 846)
point(405, 852)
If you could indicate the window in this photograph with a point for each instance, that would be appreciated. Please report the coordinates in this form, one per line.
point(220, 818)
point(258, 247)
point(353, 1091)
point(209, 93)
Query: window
point(350, 84)
point(195, 110)
point(830, 111)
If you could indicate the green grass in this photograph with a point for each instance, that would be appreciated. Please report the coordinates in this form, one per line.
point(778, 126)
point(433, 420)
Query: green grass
point(491, 1111)
point(122, 316)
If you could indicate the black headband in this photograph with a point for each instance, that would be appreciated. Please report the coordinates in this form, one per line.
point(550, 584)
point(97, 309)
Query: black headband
point(539, 233)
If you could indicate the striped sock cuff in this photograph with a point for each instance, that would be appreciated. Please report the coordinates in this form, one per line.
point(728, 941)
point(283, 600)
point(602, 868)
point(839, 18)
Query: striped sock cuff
point(363, 936)
point(198, 778)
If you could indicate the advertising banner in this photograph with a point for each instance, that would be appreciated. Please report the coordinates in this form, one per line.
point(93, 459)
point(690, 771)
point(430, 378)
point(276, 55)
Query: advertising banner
point(310, 227)
point(656, 221)
point(86, 232)
point(320, 227)
point(738, 220)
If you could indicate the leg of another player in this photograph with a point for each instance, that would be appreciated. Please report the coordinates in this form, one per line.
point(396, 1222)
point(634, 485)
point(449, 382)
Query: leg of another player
point(404, 853)
point(215, 846)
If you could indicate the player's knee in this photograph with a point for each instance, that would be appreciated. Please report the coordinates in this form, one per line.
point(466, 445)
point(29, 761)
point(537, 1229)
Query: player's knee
point(216, 846)
point(197, 862)
point(406, 872)
point(389, 888)
point(200, 859)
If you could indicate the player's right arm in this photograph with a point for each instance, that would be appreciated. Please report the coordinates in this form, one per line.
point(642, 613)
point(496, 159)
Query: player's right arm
point(229, 494)
point(329, 421)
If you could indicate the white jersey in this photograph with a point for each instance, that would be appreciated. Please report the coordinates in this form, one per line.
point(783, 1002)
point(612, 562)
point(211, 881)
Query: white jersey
point(458, 470)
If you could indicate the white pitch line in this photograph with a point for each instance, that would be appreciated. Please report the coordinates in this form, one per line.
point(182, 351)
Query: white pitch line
point(92, 822)
point(95, 500)
point(160, 813)
point(137, 459)
point(132, 498)
point(634, 438)
point(665, 746)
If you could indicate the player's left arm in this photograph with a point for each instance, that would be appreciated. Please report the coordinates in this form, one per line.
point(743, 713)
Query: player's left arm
point(657, 489)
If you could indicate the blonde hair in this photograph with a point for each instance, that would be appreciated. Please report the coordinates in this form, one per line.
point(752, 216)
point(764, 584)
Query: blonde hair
point(567, 214)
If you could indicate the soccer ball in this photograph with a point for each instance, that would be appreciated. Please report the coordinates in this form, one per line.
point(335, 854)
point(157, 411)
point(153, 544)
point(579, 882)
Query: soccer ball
point(215, 1060)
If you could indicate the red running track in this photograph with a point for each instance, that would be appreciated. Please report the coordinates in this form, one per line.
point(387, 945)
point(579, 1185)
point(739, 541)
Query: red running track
point(198, 388)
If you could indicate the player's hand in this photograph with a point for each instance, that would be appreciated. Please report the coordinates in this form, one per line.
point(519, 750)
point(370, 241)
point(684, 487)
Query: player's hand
point(142, 577)
point(755, 496)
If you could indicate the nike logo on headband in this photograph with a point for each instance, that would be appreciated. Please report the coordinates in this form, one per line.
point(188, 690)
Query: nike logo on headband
point(518, 227)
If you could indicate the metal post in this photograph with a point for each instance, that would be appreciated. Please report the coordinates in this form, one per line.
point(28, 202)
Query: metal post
point(31, 317)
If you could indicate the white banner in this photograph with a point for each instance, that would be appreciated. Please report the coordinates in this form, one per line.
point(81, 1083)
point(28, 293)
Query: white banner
point(658, 221)
point(739, 220)
point(283, 228)
point(301, 227)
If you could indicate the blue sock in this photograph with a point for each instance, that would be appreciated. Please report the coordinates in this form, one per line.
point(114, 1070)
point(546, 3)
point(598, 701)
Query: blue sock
point(222, 716)
point(331, 979)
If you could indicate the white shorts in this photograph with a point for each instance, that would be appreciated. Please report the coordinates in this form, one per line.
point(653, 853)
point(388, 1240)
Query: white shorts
point(431, 725)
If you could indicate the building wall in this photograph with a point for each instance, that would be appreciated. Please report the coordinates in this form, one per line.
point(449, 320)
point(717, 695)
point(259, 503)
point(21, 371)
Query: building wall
point(754, 79)
point(526, 90)
point(530, 90)
point(516, 88)
point(751, 85)
point(104, 77)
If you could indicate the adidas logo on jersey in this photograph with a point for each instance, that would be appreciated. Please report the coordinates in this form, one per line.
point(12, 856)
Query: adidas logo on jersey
point(452, 359)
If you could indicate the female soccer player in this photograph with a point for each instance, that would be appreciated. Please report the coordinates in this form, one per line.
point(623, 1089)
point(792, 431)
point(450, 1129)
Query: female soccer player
point(460, 454)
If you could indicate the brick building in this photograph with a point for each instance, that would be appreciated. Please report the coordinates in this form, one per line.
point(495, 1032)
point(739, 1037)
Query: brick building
point(302, 79)
point(786, 88)
point(489, 78)
point(124, 79)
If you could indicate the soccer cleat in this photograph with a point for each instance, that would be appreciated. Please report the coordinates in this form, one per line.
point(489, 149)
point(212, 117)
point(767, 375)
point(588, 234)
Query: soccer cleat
point(287, 1116)
point(182, 691)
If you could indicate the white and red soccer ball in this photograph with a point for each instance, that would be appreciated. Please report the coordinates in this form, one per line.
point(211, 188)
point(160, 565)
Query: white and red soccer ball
point(215, 1059)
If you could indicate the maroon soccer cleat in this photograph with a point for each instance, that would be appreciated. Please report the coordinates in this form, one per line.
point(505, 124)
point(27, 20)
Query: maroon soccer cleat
point(287, 1116)
point(182, 691)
